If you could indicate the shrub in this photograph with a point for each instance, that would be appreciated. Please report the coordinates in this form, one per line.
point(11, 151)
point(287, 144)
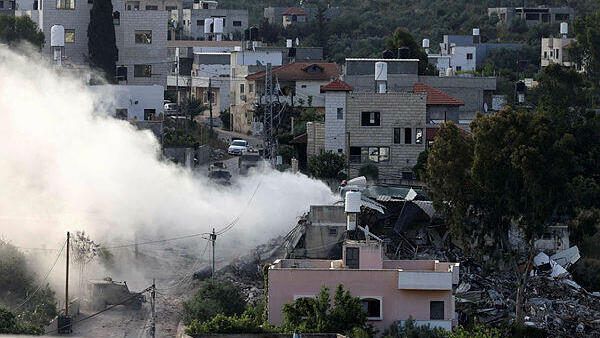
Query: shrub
point(327, 165)
point(251, 321)
point(10, 325)
point(213, 299)
point(369, 170)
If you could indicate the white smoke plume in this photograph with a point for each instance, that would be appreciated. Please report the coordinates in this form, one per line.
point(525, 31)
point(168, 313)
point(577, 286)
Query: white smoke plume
point(65, 167)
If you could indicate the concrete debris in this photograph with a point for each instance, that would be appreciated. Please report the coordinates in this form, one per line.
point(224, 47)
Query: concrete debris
point(567, 257)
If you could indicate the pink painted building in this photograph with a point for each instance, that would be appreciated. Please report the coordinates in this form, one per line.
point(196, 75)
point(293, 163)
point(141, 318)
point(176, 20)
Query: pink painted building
point(391, 290)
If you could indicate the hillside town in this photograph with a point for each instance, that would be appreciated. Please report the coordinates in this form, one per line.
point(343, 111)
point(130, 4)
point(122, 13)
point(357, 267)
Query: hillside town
point(179, 168)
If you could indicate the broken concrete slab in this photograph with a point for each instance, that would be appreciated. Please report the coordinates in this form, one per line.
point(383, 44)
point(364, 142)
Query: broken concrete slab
point(567, 257)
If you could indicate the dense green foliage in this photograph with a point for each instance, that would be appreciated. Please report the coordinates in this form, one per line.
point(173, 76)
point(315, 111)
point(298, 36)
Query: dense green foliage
point(213, 299)
point(587, 49)
point(102, 45)
point(420, 168)
point(584, 231)
point(226, 119)
point(250, 321)
point(17, 29)
point(317, 315)
point(369, 170)
point(327, 165)
point(10, 325)
point(18, 285)
point(410, 329)
point(402, 38)
point(364, 26)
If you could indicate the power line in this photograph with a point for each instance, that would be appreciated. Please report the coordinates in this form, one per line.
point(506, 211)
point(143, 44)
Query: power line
point(45, 278)
point(189, 273)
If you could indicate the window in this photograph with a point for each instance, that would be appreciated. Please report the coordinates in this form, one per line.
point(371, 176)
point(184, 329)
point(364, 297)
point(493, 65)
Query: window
point(122, 73)
point(419, 136)
point(355, 154)
point(545, 54)
point(397, 135)
point(340, 113)
point(121, 114)
point(294, 18)
point(151, 8)
point(532, 16)
point(251, 88)
point(200, 23)
point(379, 154)
point(171, 8)
point(133, 6)
point(149, 114)
point(142, 70)
point(69, 36)
point(237, 23)
point(242, 89)
point(369, 118)
point(143, 37)
point(303, 86)
point(458, 68)
point(352, 259)
point(116, 18)
point(332, 232)
point(373, 308)
point(556, 53)
point(561, 17)
point(407, 135)
point(65, 4)
point(469, 56)
point(436, 310)
point(551, 54)
point(407, 175)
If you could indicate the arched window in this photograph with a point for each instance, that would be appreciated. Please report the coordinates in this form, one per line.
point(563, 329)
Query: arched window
point(373, 307)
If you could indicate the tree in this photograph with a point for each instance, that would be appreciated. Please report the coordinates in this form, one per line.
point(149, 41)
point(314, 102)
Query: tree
point(83, 251)
point(448, 176)
point(17, 29)
point(327, 165)
point(560, 89)
point(306, 315)
point(420, 168)
point(102, 45)
point(10, 325)
point(212, 299)
point(586, 49)
point(402, 38)
point(369, 170)
point(226, 119)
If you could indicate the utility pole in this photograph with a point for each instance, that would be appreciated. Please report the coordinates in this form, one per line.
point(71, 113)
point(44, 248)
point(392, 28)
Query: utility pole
point(268, 115)
point(210, 106)
point(177, 84)
point(67, 277)
point(153, 294)
point(213, 238)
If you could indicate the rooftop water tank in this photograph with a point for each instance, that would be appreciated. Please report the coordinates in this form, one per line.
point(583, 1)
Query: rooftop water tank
point(207, 26)
point(476, 31)
point(57, 36)
point(425, 43)
point(564, 28)
point(352, 202)
point(380, 71)
point(288, 43)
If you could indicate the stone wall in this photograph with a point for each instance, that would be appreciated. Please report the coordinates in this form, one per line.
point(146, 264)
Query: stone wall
point(397, 110)
point(315, 144)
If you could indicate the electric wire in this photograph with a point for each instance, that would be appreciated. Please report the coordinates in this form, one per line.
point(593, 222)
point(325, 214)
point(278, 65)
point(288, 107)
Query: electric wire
point(44, 280)
point(190, 274)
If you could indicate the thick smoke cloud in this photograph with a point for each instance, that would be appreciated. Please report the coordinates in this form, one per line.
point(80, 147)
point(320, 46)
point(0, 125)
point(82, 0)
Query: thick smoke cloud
point(66, 166)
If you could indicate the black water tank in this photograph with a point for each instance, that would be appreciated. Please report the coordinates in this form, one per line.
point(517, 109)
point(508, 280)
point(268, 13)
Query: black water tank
point(403, 53)
point(521, 87)
point(388, 54)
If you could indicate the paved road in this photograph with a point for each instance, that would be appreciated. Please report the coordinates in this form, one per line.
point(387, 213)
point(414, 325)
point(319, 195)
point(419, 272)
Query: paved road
point(227, 135)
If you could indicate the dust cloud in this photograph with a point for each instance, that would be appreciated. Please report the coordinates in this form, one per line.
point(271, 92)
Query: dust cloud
point(67, 166)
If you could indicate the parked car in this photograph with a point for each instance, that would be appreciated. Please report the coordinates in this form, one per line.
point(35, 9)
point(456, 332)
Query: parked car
point(237, 147)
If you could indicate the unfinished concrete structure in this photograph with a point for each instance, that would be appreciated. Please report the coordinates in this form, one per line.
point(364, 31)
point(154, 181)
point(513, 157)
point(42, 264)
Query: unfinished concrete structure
point(532, 15)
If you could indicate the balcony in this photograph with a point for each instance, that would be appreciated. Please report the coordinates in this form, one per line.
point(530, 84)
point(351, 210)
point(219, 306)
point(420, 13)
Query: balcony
point(424, 280)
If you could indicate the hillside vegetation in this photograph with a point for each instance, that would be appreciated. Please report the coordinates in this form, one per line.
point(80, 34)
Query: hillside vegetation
point(363, 26)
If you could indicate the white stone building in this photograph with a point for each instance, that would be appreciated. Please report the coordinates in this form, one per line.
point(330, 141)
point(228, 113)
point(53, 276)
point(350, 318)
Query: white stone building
point(132, 103)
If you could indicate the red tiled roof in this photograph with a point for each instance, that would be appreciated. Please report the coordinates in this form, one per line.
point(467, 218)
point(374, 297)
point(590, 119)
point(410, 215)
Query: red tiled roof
point(301, 71)
point(436, 97)
point(293, 11)
point(337, 85)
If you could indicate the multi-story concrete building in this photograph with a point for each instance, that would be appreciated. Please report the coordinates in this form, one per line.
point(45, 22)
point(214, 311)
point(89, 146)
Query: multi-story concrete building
point(465, 52)
point(532, 15)
point(133, 103)
point(402, 74)
point(391, 290)
point(556, 50)
point(141, 38)
point(8, 7)
point(275, 15)
point(198, 23)
point(243, 94)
